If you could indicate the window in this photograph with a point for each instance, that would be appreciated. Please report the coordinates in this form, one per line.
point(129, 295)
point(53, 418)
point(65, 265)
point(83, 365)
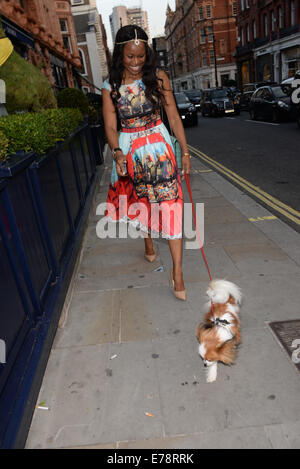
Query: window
point(248, 32)
point(63, 25)
point(292, 12)
point(208, 11)
point(211, 56)
point(77, 2)
point(201, 14)
point(234, 9)
point(242, 37)
point(280, 17)
point(242, 5)
point(82, 58)
point(265, 25)
point(210, 33)
point(273, 20)
point(254, 29)
point(202, 36)
point(204, 59)
point(67, 43)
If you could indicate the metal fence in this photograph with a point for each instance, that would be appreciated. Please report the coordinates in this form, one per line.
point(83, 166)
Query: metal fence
point(42, 203)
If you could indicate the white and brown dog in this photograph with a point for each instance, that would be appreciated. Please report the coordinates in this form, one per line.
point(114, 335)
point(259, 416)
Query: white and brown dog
point(219, 334)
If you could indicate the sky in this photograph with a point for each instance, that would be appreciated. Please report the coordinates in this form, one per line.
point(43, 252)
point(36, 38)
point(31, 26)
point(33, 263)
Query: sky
point(156, 10)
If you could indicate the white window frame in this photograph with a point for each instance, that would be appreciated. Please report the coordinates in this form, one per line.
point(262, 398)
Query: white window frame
point(293, 15)
point(81, 53)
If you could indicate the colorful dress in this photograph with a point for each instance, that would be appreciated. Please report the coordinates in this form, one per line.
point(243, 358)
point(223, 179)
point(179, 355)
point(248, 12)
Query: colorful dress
point(150, 196)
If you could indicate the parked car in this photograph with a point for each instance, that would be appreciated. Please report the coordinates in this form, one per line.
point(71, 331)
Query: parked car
point(248, 90)
point(195, 97)
point(215, 102)
point(271, 102)
point(186, 109)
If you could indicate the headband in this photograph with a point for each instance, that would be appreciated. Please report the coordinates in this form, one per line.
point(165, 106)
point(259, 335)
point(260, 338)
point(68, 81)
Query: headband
point(136, 40)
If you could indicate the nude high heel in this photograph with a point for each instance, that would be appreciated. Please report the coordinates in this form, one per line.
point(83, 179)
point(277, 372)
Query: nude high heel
point(180, 295)
point(151, 257)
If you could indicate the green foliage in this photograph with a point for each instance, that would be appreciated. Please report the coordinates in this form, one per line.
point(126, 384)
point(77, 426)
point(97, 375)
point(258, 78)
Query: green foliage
point(27, 89)
point(3, 146)
point(73, 98)
point(38, 132)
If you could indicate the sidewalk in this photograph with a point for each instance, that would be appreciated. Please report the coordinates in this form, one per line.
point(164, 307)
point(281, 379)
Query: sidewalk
point(126, 347)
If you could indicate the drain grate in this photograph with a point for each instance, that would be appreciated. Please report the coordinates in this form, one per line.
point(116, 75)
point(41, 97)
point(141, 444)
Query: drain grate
point(288, 335)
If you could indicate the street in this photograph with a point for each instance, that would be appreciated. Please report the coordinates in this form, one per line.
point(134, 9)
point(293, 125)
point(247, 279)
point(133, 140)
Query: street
point(260, 157)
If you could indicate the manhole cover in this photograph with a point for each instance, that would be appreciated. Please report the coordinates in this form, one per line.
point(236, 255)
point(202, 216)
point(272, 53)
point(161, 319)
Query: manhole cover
point(288, 335)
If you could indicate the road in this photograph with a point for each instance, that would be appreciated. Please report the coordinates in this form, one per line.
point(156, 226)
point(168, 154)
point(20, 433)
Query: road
point(261, 158)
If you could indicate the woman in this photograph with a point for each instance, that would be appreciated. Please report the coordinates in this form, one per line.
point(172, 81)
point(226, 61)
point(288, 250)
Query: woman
point(144, 168)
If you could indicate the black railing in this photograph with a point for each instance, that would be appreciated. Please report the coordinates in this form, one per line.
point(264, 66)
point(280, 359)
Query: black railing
point(43, 201)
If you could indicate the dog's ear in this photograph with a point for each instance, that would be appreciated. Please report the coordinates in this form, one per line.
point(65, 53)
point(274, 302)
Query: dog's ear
point(227, 352)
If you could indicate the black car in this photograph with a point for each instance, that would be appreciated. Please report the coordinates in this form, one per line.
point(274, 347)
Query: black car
point(271, 102)
point(248, 90)
point(195, 97)
point(186, 109)
point(215, 102)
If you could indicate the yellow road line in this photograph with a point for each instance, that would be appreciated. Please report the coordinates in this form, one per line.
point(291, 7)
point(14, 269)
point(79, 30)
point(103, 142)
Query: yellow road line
point(256, 191)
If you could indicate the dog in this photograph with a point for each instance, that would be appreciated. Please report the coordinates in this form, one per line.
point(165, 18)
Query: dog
point(219, 334)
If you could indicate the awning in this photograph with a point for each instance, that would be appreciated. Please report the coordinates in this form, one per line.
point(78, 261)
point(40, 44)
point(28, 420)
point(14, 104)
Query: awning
point(13, 31)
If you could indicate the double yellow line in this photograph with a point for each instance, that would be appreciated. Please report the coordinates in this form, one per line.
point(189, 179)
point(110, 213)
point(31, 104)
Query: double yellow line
point(280, 207)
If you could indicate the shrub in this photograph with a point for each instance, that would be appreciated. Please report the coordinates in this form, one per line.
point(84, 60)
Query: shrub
point(73, 98)
point(27, 89)
point(3, 146)
point(38, 132)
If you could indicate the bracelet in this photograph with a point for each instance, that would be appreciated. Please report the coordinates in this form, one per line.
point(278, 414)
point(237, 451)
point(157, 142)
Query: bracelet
point(114, 151)
point(187, 154)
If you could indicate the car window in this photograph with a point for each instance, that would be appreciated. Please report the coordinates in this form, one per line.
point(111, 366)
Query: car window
point(267, 95)
point(278, 92)
point(259, 93)
point(193, 94)
point(181, 98)
point(248, 88)
point(219, 94)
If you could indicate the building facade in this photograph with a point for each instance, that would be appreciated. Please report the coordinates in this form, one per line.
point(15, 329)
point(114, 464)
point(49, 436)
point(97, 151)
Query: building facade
point(268, 40)
point(123, 16)
point(159, 45)
point(91, 44)
point(201, 40)
point(42, 32)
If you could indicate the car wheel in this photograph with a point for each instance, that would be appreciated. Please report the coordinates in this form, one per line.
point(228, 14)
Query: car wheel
point(252, 114)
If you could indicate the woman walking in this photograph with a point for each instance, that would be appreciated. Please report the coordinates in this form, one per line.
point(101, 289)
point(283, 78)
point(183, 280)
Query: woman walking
point(144, 171)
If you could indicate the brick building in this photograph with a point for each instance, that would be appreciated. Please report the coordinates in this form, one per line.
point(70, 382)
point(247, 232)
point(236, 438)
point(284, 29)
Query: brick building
point(43, 33)
point(268, 40)
point(201, 40)
point(91, 40)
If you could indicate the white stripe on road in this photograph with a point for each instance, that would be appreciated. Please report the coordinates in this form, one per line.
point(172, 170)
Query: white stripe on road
point(260, 122)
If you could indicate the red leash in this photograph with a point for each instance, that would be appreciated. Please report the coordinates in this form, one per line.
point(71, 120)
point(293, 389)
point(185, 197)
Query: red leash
point(187, 180)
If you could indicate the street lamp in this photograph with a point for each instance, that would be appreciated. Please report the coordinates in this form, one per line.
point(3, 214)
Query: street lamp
point(215, 56)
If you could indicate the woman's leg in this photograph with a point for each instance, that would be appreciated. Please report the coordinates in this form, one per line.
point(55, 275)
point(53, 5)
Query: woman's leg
point(176, 253)
point(149, 246)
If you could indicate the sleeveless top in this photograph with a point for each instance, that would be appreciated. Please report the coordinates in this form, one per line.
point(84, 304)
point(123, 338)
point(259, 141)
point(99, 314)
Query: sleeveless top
point(134, 109)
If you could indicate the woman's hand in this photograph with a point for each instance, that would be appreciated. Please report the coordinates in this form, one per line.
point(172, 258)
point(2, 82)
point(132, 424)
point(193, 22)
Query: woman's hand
point(121, 162)
point(186, 164)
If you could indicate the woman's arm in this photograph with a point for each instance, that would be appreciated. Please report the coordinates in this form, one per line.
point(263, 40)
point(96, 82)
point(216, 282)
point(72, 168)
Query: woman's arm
point(174, 119)
point(110, 123)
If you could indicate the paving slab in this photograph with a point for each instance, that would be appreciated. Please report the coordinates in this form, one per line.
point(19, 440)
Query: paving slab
point(124, 371)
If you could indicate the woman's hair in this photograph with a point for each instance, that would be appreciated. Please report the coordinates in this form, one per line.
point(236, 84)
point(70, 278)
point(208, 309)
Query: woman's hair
point(149, 78)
